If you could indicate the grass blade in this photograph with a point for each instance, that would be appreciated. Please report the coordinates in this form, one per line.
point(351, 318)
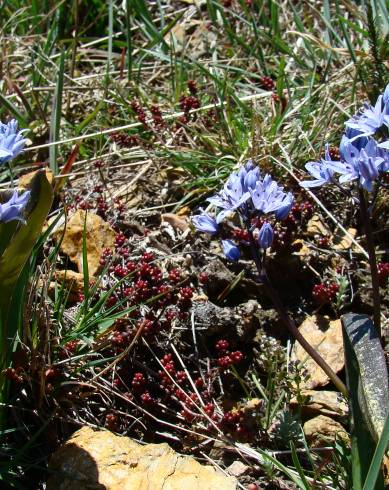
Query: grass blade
point(56, 115)
point(379, 453)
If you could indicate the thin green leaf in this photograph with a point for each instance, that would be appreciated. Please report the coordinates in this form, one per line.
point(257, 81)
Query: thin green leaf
point(56, 115)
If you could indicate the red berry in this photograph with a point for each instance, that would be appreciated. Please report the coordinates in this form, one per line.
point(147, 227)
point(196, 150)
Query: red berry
point(186, 292)
point(147, 399)
point(175, 275)
point(323, 242)
point(209, 408)
point(222, 345)
point(383, 273)
point(203, 277)
point(180, 376)
point(241, 235)
point(236, 357)
point(138, 381)
point(192, 86)
point(199, 383)
point(225, 362)
point(120, 239)
point(166, 359)
point(267, 83)
point(147, 257)
point(111, 421)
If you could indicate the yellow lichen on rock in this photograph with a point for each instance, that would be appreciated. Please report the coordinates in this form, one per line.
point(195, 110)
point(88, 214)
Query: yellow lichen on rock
point(102, 460)
point(99, 236)
point(326, 337)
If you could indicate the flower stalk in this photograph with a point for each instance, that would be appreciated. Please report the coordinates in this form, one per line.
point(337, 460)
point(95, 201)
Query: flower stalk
point(372, 260)
point(286, 319)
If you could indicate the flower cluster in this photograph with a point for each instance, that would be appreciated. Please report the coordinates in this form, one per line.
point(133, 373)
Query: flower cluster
point(11, 144)
point(14, 207)
point(11, 141)
point(251, 196)
point(362, 157)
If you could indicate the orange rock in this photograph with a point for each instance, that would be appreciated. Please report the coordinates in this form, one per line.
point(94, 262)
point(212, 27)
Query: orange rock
point(321, 431)
point(326, 337)
point(99, 236)
point(101, 460)
point(177, 222)
point(329, 403)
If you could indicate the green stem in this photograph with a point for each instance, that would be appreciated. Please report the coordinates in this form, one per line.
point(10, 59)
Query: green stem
point(372, 261)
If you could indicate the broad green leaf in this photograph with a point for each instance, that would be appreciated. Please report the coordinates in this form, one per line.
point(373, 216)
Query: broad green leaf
point(367, 381)
point(19, 248)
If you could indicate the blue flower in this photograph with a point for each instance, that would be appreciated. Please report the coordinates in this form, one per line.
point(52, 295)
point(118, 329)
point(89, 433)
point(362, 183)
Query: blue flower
point(231, 251)
point(266, 236)
point(370, 119)
point(14, 207)
point(248, 194)
point(384, 154)
point(361, 164)
point(384, 145)
point(269, 197)
point(320, 170)
point(355, 137)
point(11, 141)
point(231, 197)
point(205, 223)
point(385, 96)
point(286, 205)
point(249, 176)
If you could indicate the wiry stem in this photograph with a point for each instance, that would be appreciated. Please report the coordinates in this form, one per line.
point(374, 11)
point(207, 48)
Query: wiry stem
point(372, 261)
point(287, 320)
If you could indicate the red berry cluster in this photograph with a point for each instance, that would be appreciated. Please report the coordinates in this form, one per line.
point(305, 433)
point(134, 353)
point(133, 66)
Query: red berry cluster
point(143, 280)
point(14, 375)
point(189, 102)
point(240, 235)
point(97, 202)
point(69, 349)
point(98, 164)
point(138, 381)
point(286, 231)
point(324, 293)
point(138, 109)
point(323, 241)
point(301, 210)
point(383, 273)
point(226, 359)
point(192, 86)
point(111, 421)
point(165, 390)
point(234, 423)
point(125, 140)
point(203, 278)
point(267, 83)
point(157, 117)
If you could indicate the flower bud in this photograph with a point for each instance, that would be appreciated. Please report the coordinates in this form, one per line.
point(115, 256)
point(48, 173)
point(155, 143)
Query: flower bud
point(266, 235)
point(283, 211)
point(205, 223)
point(231, 251)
